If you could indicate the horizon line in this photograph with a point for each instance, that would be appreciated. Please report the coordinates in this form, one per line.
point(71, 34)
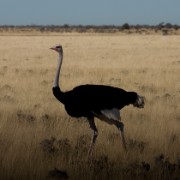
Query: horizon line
point(95, 25)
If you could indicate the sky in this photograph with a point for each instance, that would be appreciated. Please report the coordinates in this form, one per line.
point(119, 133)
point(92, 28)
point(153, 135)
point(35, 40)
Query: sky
point(89, 12)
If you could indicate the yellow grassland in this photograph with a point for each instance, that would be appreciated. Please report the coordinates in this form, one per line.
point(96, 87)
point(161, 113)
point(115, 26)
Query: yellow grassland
point(29, 113)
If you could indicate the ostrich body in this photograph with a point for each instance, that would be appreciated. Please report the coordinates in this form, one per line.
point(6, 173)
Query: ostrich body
point(90, 101)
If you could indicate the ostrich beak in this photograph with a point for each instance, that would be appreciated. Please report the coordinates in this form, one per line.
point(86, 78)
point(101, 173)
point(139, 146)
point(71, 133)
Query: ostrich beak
point(53, 48)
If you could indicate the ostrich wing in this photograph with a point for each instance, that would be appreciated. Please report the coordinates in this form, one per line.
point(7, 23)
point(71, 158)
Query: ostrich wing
point(97, 97)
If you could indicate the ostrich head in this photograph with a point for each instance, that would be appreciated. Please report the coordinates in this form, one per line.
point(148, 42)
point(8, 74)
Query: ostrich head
point(58, 49)
point(139, 102)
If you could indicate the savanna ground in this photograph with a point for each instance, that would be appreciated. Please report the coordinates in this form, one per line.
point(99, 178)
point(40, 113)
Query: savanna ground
point(36, 134)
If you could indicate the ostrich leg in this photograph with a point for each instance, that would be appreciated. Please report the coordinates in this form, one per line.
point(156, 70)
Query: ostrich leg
point(120, 127)
point(118, 124)
point(94, 136)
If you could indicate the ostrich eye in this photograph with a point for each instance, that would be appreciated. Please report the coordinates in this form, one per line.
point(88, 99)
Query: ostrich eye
point(59, 47)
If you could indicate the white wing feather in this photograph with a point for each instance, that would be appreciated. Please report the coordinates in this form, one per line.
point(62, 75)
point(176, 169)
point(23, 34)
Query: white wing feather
point(111, 113)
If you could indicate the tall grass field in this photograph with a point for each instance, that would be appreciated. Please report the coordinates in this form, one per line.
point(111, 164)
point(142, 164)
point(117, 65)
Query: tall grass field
point(38, 140)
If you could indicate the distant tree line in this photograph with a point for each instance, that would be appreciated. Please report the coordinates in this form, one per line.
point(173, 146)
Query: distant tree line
point(164, 27)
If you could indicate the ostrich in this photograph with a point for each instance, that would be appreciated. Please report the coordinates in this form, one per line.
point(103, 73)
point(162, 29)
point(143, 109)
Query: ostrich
point(90, 101)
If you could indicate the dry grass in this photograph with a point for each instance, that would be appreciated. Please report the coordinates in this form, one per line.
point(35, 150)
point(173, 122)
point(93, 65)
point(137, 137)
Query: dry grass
point(36, 134)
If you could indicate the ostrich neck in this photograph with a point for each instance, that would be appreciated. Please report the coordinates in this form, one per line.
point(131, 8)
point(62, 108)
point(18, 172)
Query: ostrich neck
point(56, 80)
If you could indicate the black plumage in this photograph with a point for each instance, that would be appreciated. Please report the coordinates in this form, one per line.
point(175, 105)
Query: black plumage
point(87, 100)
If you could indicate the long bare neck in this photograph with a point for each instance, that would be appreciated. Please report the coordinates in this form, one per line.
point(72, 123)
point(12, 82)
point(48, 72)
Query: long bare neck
point(56, 80)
